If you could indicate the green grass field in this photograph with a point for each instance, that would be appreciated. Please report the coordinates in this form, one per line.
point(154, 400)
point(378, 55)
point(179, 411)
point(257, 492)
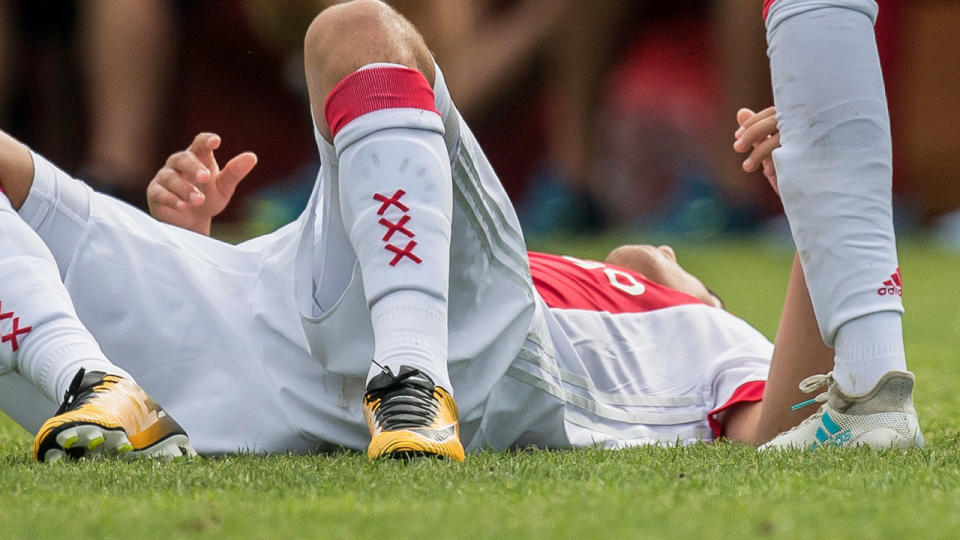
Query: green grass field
point(722, 490)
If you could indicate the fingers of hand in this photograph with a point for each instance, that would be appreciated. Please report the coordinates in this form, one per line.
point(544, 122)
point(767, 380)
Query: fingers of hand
point(760, 116)
point(771, 173)
point(204, 142)
point(237, 169)
point(180, 185)
point(159, 196)
point(761, 152)
point(190, 166)
point(769, 170)
point(743, 115)
point(747, 118)
point(203, 146)
point(756, 133)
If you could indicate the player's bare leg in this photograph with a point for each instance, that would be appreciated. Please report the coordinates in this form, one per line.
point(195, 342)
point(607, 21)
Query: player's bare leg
point(797, 354)
point(103, 411)
point(369, 74)
point(834, 174)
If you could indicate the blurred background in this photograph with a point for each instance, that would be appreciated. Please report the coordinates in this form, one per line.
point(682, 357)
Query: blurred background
point(598, 115)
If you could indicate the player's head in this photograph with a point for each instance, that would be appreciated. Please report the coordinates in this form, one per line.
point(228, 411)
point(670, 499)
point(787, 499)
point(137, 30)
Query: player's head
point(659, 264)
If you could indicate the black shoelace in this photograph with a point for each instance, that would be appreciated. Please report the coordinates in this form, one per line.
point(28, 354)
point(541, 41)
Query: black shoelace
point(406, 399)
point(79, 390)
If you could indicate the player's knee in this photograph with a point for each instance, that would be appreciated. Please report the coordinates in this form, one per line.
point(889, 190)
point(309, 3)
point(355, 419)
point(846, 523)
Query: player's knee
point(346, 37)
point(333, 27)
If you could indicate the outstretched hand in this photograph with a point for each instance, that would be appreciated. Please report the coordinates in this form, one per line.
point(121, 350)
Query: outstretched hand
point(758, 132)
point(191, 187)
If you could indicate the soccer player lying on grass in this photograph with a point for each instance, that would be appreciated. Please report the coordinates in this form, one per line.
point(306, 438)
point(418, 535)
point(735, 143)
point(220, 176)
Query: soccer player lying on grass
point(408, 254)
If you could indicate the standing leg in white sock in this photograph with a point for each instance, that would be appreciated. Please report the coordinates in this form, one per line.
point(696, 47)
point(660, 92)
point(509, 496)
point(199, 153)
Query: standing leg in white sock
point(834, 174)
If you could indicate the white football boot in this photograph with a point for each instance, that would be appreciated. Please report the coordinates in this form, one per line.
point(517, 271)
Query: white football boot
point(883, 418)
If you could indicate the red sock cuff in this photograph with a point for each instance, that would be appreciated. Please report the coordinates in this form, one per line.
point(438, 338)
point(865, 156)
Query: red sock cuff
point(374, 89)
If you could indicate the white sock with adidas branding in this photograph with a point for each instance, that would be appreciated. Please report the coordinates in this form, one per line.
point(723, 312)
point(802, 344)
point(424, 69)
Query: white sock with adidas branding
point(867, 348)
point(834, 173)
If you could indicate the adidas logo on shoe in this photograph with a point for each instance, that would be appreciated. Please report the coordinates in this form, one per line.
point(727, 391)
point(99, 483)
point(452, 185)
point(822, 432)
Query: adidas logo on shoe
point(882, 418)
point(830, 434)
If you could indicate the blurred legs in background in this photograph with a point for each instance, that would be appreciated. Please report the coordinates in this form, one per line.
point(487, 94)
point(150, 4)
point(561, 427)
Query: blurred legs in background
point(8, 54)
point(6, 43)
point(129, 49)
point(744, 76)
point(564, 195)
point(926, 128)
point(569, 46)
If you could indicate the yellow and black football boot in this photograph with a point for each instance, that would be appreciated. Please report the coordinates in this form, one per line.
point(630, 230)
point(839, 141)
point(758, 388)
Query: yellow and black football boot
point(106, 415)
point(409, 416)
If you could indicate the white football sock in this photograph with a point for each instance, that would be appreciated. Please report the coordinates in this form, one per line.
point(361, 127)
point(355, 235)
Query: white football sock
point(867, 348)
point(396, 198)
point(42, 339)
point(834, 174)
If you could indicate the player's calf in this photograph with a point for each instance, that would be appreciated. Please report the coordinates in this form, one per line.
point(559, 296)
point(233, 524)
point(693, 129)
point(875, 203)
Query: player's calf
point(106, 415)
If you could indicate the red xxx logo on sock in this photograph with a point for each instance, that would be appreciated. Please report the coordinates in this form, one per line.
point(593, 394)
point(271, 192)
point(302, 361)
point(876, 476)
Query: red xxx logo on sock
point(396, 228)
point(16, 331)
